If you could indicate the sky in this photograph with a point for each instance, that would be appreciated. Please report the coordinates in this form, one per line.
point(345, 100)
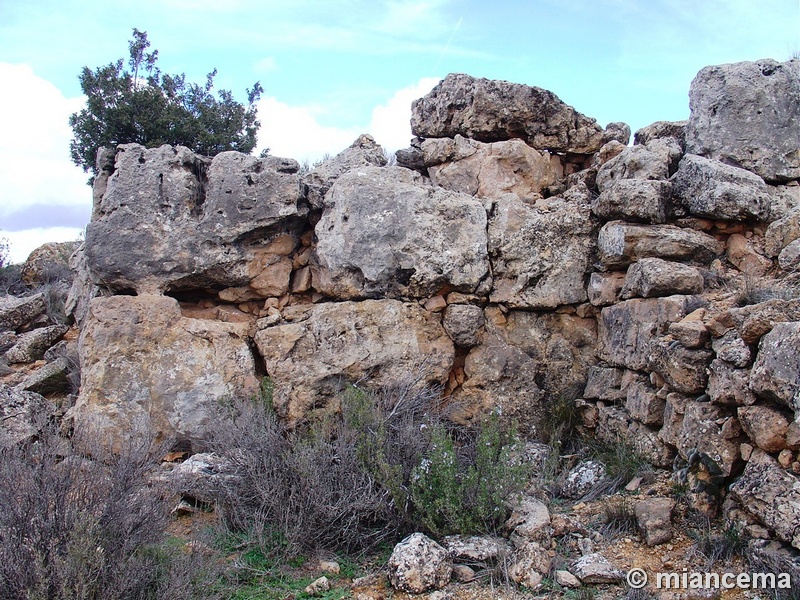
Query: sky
point(332, 70)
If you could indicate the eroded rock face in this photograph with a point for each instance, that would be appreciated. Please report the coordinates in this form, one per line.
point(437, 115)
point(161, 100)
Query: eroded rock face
point(386, 233)
point(748, 114)
point(21, 414)
point(418, 565)
point(325, 347)
point(772, 494)
point(542, 252)
point(145, 368)
point(171, 219)
point(490, 110)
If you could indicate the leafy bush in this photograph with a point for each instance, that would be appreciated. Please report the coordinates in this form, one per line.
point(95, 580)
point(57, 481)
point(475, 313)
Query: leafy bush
point(348, 482)
point(74, 528)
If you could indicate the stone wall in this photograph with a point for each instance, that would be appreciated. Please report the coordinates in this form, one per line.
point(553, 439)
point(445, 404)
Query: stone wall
point(517, 255)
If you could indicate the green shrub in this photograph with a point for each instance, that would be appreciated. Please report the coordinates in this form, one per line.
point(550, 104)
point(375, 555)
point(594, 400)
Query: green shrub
point(348, 482)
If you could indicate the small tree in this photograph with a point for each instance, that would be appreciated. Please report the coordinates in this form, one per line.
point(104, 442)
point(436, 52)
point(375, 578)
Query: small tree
point(148, 107)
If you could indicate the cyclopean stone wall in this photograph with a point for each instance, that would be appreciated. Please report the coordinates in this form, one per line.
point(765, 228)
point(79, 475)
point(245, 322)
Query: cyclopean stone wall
point(517, 255)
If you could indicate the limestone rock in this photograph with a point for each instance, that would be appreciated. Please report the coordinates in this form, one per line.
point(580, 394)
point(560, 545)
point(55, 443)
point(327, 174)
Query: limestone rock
point(644, 404)
point(709, 188)
point(318, 586)
point(204, 476)
point(782, 232)
point(701, 433)
point(171, 219)
point(418, 565)
point(748, 114)
point(596, 568)
point(16, 312)
point(772, 494)
point(567, 579)
point(755, 320)
point(620, 244)
point(582, 478)
point(48, 261)
point(731, 348)
point(145, 369)
point(766, 426)
point(627, 330)
point(656, 160)
point(32, 345)
point(617, 131)
point(529, 564)
point(674, 409)
point(529, 520)
point(728, 385)
point(683, 369)
point(660, 130)
point(52, 377)
point(462, 323)
point(776, 372)
point(527, 350)
point(654, 519)
point(380, 342)
point(690, 333)
point(385, 232)
point(604, 288)
point(789, 258)
point(650, 277)
point(20, 414)
point(482, 549)
point(635, 200)
point(604, 383)
point(490, 170)
point(540, 253)
point(491, 110)
point(363, 152)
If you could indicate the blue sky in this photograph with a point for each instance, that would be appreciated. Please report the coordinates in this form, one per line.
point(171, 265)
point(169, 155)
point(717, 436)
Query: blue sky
point(332, 70)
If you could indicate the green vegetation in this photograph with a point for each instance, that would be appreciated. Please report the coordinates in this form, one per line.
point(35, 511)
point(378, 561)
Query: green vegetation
point(349, 482)
point(148, 107)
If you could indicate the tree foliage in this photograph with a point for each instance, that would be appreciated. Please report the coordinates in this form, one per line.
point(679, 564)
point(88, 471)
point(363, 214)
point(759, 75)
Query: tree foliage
point(148, 107)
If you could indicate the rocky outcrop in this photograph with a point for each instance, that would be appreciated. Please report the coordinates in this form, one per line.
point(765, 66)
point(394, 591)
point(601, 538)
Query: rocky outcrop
point(491, 111)
point(16, 312)
point(748, 114)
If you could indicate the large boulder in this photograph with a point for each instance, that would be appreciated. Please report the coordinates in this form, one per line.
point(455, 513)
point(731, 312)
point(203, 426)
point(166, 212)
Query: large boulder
point(772, 494)
point(418, 564)
point(22, 414)
point(49, 262)
point(491, 110)
point(541, 252)
point(16, 312)
point(709, 188)
point(31, 345)
point(748, 114)
point(627, 330)
point(490, 170)
point(146, 369)
point(326, 346)
point(619, 244)
point(776, 372)
point(364, 152)
point(386, 232)
point(170, 219)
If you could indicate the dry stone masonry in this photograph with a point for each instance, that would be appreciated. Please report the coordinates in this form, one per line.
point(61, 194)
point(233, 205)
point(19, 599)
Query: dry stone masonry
point(517, 254)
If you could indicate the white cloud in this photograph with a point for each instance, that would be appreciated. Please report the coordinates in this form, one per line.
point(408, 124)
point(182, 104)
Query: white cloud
point(295, 131)
point(34, 157)
point(22, 243)
point(390, 125)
